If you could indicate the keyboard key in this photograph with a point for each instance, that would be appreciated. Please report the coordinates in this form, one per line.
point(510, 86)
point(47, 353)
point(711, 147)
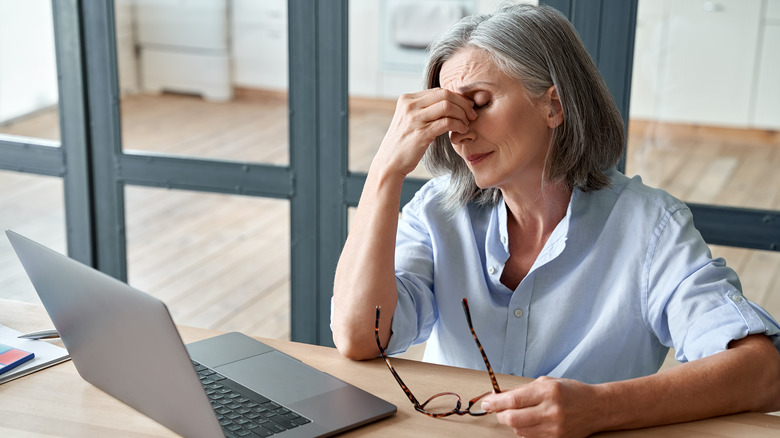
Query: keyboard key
point(285, 423)
point(301, 421)
point(260, 421)
point(271, 405)
point(273, 427)
point(262, 432)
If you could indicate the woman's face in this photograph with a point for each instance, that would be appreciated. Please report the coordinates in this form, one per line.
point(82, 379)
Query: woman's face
point(506, 145)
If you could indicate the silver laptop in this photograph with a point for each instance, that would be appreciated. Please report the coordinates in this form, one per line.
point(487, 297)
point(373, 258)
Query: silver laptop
point(124, 342)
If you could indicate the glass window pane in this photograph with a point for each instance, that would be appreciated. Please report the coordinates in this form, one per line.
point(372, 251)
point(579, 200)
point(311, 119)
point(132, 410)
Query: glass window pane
point(28, 70)
point(704, 115)
point(31, 205)
point(204, 79)
point(217, 261)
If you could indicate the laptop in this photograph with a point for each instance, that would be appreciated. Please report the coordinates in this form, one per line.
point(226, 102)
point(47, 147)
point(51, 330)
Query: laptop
point(125, 342)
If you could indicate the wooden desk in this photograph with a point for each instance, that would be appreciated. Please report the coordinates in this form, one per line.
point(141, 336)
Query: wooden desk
point(56, 402)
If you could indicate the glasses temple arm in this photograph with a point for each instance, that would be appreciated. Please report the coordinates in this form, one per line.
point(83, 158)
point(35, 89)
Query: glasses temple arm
point(405, 388)
point(479, 345)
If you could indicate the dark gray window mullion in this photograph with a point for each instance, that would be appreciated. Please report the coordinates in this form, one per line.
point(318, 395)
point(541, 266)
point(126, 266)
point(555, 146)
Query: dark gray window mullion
point(74, 130)
point(741, 227)
point(227, 177)
point(332, 48)
point(105, 144)
point(31, 155)
point(355, 182)
point(318, 156)
point(304, 159)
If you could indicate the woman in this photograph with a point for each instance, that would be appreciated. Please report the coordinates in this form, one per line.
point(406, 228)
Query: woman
point(574, 273)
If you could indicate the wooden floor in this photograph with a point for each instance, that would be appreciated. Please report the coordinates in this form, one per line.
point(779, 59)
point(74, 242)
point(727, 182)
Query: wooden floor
point(223, 261)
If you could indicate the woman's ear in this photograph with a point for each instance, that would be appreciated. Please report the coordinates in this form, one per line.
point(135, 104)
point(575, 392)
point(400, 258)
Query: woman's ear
point(555, 115)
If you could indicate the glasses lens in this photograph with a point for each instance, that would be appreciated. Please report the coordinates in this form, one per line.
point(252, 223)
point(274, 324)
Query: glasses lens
point(442, 403)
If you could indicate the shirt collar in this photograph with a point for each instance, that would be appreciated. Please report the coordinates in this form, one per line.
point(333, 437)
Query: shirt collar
point(557, 241)
point(498, 241)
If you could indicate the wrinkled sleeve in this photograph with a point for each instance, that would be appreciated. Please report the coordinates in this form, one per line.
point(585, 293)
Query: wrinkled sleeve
point(415, 313)
point(694, 302)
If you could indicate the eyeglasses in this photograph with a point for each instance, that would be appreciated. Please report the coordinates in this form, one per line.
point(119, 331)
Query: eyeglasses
point(441, 398)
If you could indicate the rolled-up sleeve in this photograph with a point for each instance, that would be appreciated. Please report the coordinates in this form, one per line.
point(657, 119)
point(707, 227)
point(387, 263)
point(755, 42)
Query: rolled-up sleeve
point(695, 303)
point(415, 313)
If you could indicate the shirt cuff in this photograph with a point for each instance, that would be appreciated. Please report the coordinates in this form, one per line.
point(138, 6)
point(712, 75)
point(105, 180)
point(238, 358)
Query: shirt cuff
point(733, 320)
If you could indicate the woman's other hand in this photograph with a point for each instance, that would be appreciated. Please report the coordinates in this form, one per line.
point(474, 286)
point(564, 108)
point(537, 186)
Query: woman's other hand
point(548, 407)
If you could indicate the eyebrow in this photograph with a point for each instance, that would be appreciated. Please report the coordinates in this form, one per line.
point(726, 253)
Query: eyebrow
point(472, 86)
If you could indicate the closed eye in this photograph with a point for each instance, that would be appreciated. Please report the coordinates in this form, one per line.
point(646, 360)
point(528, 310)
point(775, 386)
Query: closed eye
point(479, 107)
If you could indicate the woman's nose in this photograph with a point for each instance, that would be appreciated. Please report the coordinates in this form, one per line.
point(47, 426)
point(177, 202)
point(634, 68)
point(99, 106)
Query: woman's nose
point(458, 137)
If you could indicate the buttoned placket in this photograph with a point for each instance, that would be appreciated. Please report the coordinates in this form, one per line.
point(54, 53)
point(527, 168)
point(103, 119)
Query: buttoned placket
point(518, 311)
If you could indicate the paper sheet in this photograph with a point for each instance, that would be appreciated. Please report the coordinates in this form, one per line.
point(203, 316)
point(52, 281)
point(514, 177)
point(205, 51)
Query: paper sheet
point(46, 354)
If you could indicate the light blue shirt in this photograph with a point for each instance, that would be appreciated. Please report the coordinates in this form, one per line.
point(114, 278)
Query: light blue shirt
point(623, 277)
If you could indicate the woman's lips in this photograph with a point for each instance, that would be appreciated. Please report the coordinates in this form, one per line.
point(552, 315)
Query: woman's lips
point(475, 159)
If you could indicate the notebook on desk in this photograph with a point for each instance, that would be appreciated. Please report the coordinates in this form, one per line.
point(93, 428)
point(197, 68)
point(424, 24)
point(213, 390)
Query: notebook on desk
point(125, 342)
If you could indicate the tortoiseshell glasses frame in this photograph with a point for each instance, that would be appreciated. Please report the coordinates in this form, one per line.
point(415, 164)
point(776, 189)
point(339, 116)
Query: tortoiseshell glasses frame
point(457, 409)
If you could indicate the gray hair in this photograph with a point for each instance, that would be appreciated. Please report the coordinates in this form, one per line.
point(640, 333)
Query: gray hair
point(539, 47)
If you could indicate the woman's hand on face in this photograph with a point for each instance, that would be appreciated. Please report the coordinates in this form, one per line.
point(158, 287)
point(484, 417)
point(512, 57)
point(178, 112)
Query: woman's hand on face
point(419, 118)
point(548, 407)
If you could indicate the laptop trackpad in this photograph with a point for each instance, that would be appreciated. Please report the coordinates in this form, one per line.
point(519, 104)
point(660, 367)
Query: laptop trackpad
point(280, 377)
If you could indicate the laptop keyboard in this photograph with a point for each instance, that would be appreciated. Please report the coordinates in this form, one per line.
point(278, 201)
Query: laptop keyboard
point(242, 412)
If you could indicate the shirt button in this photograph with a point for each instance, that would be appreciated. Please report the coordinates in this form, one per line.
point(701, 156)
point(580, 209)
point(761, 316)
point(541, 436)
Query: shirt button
point(736, 298)
point(491, 270)
point(503, 239)
point(519, 313)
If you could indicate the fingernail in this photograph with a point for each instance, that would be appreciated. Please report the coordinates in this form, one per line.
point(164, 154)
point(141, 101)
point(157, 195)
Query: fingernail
point(485, 406)
point(473, 113)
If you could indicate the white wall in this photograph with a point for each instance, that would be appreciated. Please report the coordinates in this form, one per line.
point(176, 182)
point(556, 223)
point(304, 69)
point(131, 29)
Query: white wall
point(259, 43)
point(125, 46)
point(709, 63)
point(28, 72)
